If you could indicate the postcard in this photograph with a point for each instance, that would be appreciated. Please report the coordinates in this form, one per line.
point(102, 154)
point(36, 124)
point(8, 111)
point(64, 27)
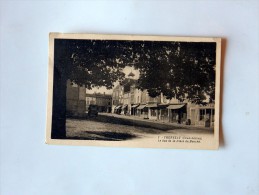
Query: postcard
point(133, 91)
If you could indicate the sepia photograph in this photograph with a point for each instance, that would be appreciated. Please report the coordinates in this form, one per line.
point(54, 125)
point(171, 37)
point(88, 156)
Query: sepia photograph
point(133, 91)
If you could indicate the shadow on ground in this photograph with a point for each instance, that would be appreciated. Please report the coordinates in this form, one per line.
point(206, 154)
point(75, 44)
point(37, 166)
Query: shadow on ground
point(132, 122)
point(145, 124)
point(103, 135)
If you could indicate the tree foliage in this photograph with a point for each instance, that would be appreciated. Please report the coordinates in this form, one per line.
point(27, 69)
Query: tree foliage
point(182, 70)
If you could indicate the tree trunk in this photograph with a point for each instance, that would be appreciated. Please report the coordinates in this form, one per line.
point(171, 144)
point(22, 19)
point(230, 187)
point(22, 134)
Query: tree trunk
point(58, 130)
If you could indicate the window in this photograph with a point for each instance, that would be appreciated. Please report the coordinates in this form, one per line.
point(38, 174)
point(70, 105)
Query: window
point(202, 114)
point(164, 112)
point(153, 112)
point(88, 101)
point(207, 114)
point(210, 114)
point(213, 114)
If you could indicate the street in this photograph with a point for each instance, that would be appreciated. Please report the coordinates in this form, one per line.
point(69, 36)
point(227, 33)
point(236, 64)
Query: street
point(93, 129)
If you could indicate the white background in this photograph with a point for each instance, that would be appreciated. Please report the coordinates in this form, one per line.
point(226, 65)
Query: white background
point(29, 167)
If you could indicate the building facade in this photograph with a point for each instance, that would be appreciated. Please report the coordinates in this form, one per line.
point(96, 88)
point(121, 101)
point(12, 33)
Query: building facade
point(75, 100)
point(129, 100)
point(117, 99)
point(103, 101)
point(121, 97)
point(90, 100)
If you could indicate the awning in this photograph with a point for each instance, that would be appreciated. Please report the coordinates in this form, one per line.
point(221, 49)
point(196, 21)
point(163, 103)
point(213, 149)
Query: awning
point(152, 106)
point(124, 106)
point(135, 106)
point(141, 107)
point(117, 107)
point(176, 106)
point(163, 105)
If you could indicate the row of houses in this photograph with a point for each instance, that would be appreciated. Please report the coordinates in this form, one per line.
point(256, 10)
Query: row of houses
point(127, 99)
point(102, 100)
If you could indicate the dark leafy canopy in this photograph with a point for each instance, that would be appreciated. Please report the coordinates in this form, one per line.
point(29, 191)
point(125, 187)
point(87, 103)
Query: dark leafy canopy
point(181, 70)
point(184, 70)
point(89, 62)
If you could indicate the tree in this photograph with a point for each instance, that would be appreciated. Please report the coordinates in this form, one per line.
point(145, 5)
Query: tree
point(181, 70)
point(91, 63)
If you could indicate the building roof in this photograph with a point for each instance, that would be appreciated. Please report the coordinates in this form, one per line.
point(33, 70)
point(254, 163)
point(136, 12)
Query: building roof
point(127, 83)
point(98, 95)
point(117, 87)
point(131, 74)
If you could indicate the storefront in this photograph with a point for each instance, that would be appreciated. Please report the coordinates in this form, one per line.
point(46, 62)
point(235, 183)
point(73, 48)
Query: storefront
point(124, 109)
point(152, 111)
point(163, 112)
point(177, 113)
point(142, 111)
point(134, 109)
point(117, 109)
point(202, 115)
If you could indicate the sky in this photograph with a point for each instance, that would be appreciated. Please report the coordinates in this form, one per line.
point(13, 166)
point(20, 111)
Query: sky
point(126, 70)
